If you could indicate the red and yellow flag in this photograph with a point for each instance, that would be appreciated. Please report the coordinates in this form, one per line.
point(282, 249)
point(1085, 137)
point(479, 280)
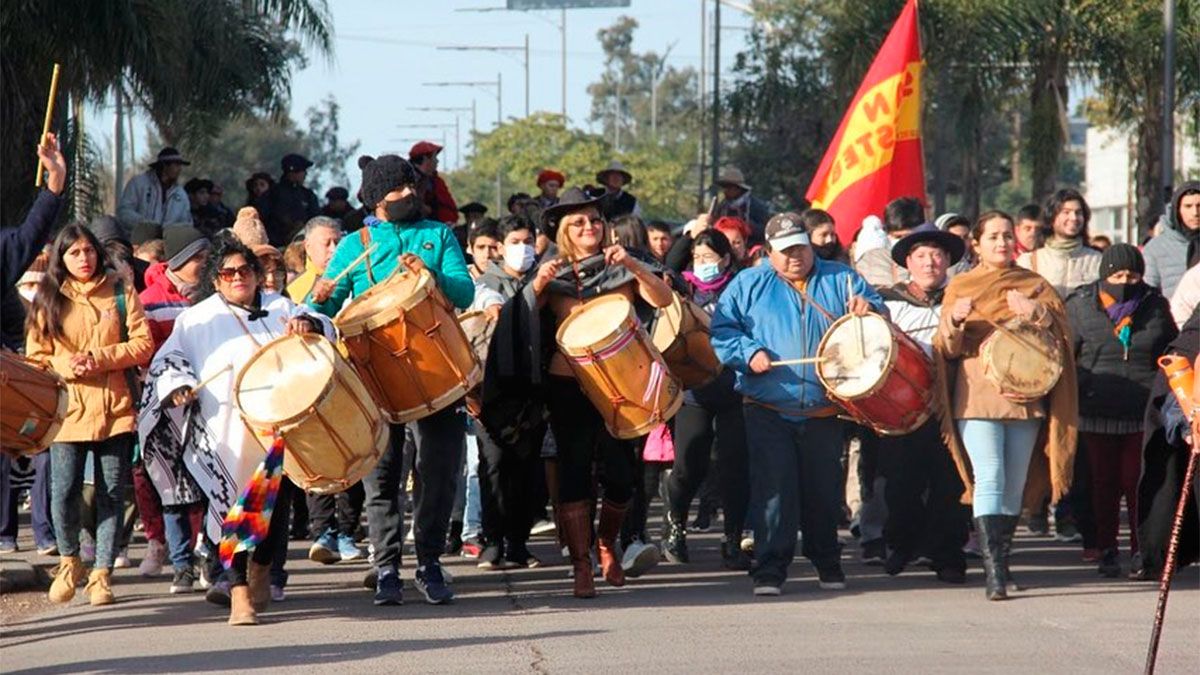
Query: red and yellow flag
point(875, 156)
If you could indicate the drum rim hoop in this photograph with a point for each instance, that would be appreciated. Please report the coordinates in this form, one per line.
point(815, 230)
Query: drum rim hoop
point(629, 322)
point(353, 327)
point(985, 354)
point(288, 421)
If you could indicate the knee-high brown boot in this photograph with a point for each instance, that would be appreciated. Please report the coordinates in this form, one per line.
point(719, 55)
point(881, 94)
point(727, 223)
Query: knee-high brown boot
point(575, 526)
point(611, 517)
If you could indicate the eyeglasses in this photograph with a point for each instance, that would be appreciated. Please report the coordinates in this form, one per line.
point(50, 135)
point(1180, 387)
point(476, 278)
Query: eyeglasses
point(584, 220)
point(228, 273)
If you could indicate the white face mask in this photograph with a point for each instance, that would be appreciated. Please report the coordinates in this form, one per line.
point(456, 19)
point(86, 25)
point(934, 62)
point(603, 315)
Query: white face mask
point(519, 257)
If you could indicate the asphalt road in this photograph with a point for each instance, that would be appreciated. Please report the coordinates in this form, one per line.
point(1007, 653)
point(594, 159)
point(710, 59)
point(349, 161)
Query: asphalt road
point(693, 618)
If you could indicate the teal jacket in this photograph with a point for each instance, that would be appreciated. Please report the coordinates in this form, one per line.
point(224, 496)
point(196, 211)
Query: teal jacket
point(430, 240)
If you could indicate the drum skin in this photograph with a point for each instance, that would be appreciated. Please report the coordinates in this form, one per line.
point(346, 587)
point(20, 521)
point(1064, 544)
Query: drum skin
point(33, 403)
point(405, 342)
point(891, 389)
point(618, 368)
point(299, 387)
point(1023, 361)
point(478, 328)
point(681, 334)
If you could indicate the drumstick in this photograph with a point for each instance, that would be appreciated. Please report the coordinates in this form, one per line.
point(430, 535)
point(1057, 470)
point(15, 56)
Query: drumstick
point(1018, 337)
point(858, 322)
point(208, 380)
point(797, 362)
point(354, 263)
point(37, 179)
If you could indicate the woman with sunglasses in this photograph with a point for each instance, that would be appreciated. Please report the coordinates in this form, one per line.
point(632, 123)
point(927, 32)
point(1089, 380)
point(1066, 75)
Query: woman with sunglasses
point(210, 342)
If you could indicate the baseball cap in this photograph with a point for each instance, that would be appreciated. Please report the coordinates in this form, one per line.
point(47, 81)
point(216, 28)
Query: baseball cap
point(785, 230)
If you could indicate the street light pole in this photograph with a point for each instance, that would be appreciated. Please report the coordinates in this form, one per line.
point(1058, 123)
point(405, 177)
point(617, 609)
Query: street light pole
point(716, 100)
point(1168, 131)
point(501, 49)
point(527, 74)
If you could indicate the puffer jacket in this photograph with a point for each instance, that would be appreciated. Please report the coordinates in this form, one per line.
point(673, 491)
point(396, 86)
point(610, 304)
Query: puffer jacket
point(1065, 269)
point(1167, 254)
point(1112, 387)
point(100, 404)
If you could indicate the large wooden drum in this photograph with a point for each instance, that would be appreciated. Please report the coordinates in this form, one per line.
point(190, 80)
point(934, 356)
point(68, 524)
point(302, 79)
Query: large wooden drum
point(681, 334)
point(876, 373)
point(299, 387)
point(33, 403)
point(406, 343)
point(618, 368)
point(1021, 360)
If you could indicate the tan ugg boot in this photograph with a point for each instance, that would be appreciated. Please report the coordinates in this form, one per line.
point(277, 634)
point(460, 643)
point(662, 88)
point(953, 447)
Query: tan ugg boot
point(258, 578)
point(99, 588)
point(70, 573)
point(241, 610)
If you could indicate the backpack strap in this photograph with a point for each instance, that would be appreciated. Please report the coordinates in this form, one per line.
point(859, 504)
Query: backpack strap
point(364, 235)
point(131, 378)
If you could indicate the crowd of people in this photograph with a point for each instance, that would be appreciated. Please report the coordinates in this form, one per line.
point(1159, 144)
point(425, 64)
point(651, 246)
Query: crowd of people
point(149, 315)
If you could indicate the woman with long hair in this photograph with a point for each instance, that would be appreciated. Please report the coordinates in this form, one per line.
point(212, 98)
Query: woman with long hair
point(87, 324)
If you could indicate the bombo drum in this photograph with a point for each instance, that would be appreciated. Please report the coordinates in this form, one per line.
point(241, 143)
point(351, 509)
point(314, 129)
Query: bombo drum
point(33, 403)
point(681, 334)
point(299, 387)
point(618, 368)
point(1021, 360)
point(876, 373)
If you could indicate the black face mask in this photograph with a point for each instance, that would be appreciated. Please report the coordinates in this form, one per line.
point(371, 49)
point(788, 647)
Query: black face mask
point(1122, 292)
point(404, 210)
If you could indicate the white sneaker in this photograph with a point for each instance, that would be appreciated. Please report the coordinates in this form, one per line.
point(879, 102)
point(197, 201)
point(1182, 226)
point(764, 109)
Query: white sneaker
point(122, 560)
point(542, 526)
point(639, 558)
point(767, 590)
point(152, 562)
point(277, 594)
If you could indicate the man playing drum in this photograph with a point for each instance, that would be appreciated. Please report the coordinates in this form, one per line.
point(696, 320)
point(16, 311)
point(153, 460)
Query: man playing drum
point(779, 312)
point(922, 491)
point(404, 237)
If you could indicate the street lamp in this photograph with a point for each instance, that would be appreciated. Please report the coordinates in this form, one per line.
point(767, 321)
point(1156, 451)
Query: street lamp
point(443, 127)
point(562, 30)
point(499, 114)
point(501, 49)
point(474, 127)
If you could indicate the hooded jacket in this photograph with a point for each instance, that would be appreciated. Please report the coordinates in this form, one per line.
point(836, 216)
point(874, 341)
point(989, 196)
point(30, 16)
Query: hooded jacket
point(1167, 254)
point(143, 201)
point(162, 302)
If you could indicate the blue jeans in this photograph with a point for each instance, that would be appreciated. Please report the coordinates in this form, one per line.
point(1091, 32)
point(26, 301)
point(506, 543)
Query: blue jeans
point(112, 459)
point(795, 481)
point(177, 524)
point(43, 530)
point(999, 452)
point(472, 518)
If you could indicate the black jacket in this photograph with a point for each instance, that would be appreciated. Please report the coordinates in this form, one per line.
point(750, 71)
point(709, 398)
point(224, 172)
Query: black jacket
point(19, 246)
point(284, 209)
point(1111, 386)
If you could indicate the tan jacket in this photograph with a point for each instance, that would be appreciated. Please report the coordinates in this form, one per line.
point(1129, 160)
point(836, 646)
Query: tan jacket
point(101, 405)
point(1065, 269)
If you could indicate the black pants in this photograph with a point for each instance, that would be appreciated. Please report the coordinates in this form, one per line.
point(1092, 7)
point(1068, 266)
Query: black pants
point(339, 513)
point(922, 492)
point(583, 441)
point(695, 429)
point(440, 442)
point(511, 489)
point(268, 552)
point(650, 486)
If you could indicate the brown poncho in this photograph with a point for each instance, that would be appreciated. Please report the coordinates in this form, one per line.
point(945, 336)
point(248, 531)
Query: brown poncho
point(987, 288)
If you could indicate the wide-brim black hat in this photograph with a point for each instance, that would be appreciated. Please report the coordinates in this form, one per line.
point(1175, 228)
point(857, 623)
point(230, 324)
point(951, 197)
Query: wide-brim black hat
point(570, 201)
point(473, 207)
point(928, 234)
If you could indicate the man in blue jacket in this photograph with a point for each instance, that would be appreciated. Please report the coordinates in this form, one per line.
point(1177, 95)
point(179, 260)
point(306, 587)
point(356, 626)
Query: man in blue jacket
point(776, 312)
point(403, 236)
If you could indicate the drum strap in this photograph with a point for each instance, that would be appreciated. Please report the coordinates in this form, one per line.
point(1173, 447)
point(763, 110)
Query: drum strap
point(807, 298)
point(364, 235)
point(131, 379)
point(1033, 261)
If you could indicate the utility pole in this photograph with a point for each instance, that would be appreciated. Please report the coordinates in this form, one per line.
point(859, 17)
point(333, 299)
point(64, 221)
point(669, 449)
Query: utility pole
point(118, 148)
point(501, 49)
point(527, 74)
point(716, 94)
point(1168, 131)
point(562, 29)
point(701, 148)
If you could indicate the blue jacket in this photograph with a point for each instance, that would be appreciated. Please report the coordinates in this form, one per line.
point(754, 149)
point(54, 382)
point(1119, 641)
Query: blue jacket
point(19, 246)
point(430, 240)
point(761, 310)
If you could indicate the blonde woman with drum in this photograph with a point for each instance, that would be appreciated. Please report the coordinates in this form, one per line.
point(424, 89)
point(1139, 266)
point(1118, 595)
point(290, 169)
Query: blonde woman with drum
point(993, 424)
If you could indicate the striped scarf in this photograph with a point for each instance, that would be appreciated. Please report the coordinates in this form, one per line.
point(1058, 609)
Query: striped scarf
point(248, 521)
point(1121, 314)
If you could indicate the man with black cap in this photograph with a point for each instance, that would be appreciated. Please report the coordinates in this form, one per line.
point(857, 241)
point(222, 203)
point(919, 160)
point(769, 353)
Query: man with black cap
point(473, 212)
point(778, 312)
point(403, 236)
point(617, 202)
point(922, 490)
point(435, 194)
point(288, 205)
point(738, 202)
point(337, 203)
point(154, 196)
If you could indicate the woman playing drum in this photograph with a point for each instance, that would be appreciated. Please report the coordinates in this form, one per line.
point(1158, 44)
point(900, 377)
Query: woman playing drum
point(210, 343)
point(710, 411)
point(992, 414)
point(586, 270)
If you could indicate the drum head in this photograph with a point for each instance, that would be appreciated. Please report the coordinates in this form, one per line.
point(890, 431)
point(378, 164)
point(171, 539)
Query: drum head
point(594, 321)
point(848, 371)
point(285, 378)
point(381, 303)
point(1022, 360)
point(667, 324)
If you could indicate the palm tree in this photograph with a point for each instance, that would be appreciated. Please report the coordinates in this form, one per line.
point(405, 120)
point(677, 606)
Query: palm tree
point(191, 65)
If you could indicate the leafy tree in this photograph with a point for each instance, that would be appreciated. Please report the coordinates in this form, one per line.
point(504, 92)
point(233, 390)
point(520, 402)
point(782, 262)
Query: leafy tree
point(328, 155)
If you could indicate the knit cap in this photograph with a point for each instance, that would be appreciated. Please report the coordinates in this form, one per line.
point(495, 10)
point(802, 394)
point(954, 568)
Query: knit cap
point(1119, 257)
point(249, 228)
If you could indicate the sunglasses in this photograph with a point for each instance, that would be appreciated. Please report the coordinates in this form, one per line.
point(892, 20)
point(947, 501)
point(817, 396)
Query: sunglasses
point(584, 220)
point(228, 273)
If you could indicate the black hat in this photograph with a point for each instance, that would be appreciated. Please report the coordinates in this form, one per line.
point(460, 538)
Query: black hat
point(106, 229)
point(144, 232)
point(571, 201)
point(383, 175)
point(1120, 257)
point(614, 167)
point(169, 155)
point(928, 233)
point(182, 242)
point(335, 193)
point(294, 162)
point(197, 184)
point(473, 207)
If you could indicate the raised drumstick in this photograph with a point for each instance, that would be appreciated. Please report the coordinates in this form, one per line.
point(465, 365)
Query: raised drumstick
point(37, 180)
point(354, 263)
point(797, 362)
point(208, 380)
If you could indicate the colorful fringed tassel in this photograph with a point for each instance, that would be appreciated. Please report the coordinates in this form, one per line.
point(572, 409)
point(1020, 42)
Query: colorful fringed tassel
point(247, 522)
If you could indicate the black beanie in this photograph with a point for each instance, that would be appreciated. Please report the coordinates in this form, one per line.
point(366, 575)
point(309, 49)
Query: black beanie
point(1120, 257)
point(387, 173)
point(182, 242)
point(106, 229)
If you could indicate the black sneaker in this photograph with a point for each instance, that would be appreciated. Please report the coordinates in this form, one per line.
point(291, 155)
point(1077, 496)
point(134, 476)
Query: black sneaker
point(951, 575)
point(1038, 525)
point(184, 581)
point(389, 589)
point(432, 584)
point(874, 552)
point(895, 563)
point(733, 557)
point(832, 578)
point(1110, 564)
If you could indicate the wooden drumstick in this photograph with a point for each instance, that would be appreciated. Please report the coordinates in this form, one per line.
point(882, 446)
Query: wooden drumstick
point(798, 362)
point(208, 380)
point(37, 180)
point(1018, 337)
point(354, 263)
point(858, 321)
